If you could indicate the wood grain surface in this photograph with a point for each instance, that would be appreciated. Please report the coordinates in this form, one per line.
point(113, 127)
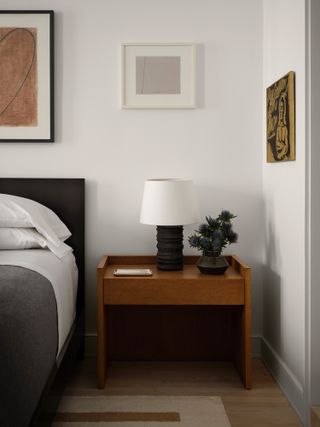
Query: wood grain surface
point(180, 315)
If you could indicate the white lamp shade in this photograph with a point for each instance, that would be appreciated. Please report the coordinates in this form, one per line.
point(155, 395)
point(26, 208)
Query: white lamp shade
point(169, 202)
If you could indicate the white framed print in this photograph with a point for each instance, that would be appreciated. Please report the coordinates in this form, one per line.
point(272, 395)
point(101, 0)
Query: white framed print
point(158, 75)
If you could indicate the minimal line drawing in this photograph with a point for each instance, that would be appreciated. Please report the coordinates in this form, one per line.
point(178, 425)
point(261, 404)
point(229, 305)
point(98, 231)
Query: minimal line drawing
point(158, 75)
point(143, 74)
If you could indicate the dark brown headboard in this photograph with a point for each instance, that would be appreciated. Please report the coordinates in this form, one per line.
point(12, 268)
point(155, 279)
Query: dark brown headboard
point(66, 198)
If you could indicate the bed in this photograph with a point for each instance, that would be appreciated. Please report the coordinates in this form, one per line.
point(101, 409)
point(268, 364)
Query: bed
point(34, 360)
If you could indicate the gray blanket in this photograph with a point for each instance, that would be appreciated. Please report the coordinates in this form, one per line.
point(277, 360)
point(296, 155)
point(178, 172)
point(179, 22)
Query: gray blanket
point(28, 342)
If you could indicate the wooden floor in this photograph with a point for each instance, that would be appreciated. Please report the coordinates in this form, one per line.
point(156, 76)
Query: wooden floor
point(263, 406)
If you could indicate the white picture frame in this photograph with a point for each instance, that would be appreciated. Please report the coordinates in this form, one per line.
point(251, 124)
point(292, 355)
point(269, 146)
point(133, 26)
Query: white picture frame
point(158, 75)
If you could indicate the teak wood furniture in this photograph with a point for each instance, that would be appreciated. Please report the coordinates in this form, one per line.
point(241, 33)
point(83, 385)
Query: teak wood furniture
point(180, 291)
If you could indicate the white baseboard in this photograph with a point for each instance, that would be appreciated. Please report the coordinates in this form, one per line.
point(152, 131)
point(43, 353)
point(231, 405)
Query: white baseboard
point(285, 378)
point(91, 345)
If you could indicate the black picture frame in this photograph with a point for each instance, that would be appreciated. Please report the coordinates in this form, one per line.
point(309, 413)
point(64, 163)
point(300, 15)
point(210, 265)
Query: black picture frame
point(40, 116)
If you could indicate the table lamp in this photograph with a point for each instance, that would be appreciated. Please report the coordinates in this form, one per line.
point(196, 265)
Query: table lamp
point(169, 204)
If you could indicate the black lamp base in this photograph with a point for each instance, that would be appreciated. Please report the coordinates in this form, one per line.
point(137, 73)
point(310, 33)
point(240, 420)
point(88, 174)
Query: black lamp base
point(170, 246)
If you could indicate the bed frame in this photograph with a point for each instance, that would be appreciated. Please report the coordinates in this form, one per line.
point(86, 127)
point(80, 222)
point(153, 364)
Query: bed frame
point(66, 197)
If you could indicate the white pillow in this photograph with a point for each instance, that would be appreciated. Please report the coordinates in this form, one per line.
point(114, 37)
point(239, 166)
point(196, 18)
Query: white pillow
point(29, 238)
point(18, 212)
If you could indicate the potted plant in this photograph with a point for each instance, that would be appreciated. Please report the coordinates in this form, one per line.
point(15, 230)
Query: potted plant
point(211, 238)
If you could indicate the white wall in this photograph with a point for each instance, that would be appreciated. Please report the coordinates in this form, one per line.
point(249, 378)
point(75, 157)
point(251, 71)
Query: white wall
point(314, 295)
point(284, 204)
point(217, 144)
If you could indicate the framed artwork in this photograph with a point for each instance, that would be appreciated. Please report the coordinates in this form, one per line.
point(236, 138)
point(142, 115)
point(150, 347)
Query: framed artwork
point(26, 76)
point(158, 75)
point(281, 119)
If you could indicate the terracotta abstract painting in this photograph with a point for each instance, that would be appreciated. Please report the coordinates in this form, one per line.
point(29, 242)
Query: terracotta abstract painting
point(18, 71)
point(26, 76)
point(281, 119)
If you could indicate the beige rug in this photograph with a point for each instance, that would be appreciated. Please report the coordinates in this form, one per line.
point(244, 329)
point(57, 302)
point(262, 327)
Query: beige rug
point(141, 411)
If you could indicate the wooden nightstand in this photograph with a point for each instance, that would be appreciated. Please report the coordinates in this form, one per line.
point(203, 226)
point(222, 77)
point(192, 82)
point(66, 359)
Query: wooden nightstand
point(178, 289)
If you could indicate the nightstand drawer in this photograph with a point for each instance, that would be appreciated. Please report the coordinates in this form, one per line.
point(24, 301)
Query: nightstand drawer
point(140, 292)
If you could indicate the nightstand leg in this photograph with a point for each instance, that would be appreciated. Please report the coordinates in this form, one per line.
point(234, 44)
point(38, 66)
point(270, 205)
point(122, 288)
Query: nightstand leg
point(101, 359)
point(101, 329)
point(243, 352)
point(246, 348)
point(246, 331)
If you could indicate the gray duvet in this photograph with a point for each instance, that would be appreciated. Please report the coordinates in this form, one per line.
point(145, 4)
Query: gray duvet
point(28, 342)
